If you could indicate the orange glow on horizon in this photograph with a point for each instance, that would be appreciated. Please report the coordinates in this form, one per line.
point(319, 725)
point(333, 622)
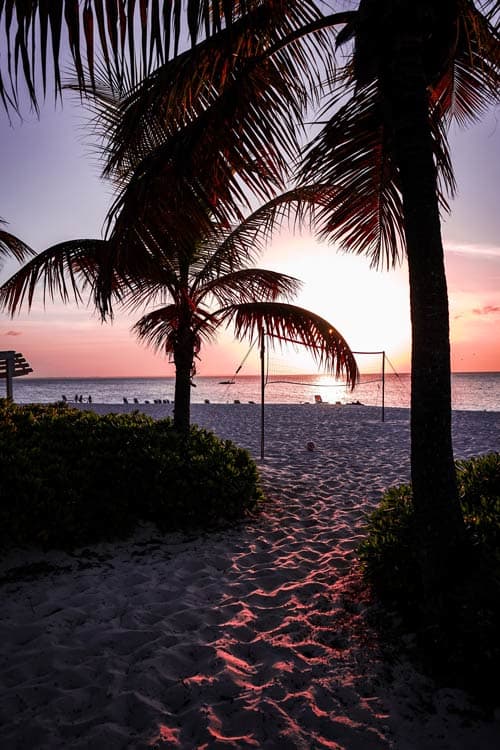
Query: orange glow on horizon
point(369, 308)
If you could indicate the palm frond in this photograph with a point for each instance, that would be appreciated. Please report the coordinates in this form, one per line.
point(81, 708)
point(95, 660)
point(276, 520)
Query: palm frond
point(138, 258)
point(159, 328)
point(213, 161)
point(145, 290)
point(227, 251)
point(249, 285)
point(12, 247)
point(64, 270)
point(217, 122)
point(179, 91)
point(471, 84)
point(284, 323)
point(352, 154)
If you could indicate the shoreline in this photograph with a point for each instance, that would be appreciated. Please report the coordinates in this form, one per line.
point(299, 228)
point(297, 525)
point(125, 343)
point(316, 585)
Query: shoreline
point(251, 636)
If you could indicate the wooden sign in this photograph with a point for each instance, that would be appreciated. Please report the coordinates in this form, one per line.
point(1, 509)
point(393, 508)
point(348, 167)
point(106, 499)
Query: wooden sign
point(12, 365)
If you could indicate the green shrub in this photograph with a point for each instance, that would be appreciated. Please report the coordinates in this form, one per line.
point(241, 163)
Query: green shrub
point(469, 653)
point(71, 477)
point(479, 489)
point(389, 553)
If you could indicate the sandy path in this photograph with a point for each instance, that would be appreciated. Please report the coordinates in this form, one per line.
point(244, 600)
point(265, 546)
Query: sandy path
point(252, 637)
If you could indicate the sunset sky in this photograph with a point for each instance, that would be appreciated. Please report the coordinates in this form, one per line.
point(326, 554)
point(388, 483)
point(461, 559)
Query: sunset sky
point(50, 190)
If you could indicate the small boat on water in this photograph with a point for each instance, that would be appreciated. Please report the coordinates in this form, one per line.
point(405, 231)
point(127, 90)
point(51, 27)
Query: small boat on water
point(226, 382)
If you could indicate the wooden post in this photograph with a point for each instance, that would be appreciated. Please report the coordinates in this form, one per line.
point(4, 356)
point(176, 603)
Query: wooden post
point(262, 390)
point(383, 386)
point(9, 374)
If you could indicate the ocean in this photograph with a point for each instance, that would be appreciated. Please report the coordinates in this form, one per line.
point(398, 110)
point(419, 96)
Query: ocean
point(470, 391)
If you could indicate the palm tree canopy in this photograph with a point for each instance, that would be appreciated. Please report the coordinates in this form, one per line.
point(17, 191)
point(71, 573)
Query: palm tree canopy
point(234, 99)
point(285, 323)
point(104, 35)
point(239, 95)
point(64, 270)
point(143, 258)
point(212, 130)
point(213, 286)
point(282, 322)
point(354, 150)
point(130, 39)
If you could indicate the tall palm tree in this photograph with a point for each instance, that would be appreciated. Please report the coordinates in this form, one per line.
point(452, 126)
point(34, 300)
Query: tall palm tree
point(416, 65)
point(198, 291)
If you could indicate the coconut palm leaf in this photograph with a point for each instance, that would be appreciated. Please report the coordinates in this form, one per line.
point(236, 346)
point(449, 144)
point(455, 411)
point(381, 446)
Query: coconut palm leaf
point(248, 285)
point(13, 247)
point(227, 252)
point(352, 155)
point(180, 90)
point(215, 160)
point(467, 87)
point(65, 270)
point(354, 150)
point(107, 31)
point(160, 328)
point(149, 267)
point(285, 323)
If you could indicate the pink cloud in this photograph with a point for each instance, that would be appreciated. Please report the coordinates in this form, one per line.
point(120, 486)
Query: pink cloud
point(486, 310)
point(13, 333)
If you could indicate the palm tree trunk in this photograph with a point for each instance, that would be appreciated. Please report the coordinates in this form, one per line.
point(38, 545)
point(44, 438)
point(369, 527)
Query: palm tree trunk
point(183, 360)
point(435, 496)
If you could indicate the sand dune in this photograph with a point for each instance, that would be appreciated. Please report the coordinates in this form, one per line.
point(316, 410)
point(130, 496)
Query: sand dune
point(252, 637)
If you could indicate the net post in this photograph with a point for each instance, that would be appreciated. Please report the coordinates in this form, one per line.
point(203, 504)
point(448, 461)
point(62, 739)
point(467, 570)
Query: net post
point(383, 386)
point(262, 390)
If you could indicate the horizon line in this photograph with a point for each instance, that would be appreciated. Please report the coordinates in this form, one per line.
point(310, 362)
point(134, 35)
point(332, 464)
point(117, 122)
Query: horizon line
point(227, 375)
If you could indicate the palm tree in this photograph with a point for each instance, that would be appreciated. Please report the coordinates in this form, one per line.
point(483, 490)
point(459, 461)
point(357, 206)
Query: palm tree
point(414, 67)
point(209, 286)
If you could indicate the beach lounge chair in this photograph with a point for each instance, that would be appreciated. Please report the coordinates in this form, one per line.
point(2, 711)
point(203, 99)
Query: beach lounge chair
point(318, 399)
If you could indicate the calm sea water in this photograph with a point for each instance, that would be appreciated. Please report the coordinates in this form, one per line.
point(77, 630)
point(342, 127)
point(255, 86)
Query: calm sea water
point(470, 391)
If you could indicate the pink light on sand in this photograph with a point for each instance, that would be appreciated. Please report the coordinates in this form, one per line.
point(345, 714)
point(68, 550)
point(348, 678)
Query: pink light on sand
point(256, 636)
point(166, 734)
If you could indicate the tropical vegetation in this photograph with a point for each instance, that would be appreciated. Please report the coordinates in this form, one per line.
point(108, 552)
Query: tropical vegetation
point(70, 477)
point(244, 88)
point(198, 290)
point(12, 247)
point(464, 650)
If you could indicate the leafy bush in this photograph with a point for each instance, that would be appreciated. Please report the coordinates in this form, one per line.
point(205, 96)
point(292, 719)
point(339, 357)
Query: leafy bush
point(479, 488)
point(69, 477)
point(389, 553)
point(469, 652)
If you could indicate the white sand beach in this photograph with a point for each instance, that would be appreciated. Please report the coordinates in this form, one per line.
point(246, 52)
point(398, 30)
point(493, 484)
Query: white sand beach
point(252, 637)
